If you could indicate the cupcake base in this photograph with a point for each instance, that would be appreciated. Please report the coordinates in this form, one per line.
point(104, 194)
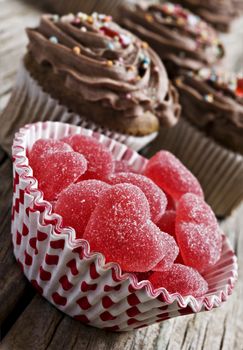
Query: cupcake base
point(29, 103)
point(219, 170)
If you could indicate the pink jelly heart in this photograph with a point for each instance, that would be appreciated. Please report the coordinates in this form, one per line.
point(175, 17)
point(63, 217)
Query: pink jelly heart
point(100, 160)
point(76, 203)
point(61, 169)
point(171, 175)
point(121, 229)
point(122, 166)
point(155, 196)
point(167, 222)
point(197, 233)
point(41, 148)
point(171, 255)
point(180, 279)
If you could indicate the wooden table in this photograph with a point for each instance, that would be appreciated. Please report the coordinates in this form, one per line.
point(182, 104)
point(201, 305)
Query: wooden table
point(27, 321)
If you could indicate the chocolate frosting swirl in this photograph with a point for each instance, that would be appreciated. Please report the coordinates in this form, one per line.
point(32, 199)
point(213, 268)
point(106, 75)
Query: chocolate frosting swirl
point(181, 39)
point(213, 101)
point(101, 62)
point(219, 13)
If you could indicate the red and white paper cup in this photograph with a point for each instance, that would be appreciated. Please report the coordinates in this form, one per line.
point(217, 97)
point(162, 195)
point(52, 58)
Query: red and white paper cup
point(79, 282)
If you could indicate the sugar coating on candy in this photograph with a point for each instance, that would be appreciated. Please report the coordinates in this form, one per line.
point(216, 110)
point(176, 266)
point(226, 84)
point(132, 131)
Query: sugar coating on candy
point(180, 279)
point(121, 229)
point(155, 196)
point(122, 166)
point(171, 175)
point(167, 222)
point(99, 158)
point(191, 208)
point(76, 203)
point(172, 252)
point(197, 233)
point(42, 147)
point(61, 169)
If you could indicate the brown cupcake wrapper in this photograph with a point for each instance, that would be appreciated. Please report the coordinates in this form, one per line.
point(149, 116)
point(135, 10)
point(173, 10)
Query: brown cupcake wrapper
point(29, 104)
point(219, 170)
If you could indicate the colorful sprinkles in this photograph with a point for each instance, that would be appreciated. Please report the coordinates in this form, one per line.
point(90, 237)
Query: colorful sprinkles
point(221, 79)
point(53, 40)
point(174, 14)
point(117, 40)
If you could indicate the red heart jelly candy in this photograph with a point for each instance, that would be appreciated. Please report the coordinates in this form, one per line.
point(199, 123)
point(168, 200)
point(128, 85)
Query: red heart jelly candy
point(61, 169)
point(76, 203)
point(180, 279)
point(167, 222)
point(99, 158)
point(155, 196)
point(43, 147)
point(121, 229)
point(122, 166)
point(171, 175)
point(171, 254)
point(197, 233)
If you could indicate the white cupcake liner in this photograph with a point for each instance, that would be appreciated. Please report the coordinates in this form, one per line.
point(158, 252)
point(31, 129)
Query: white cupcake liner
point(29, 103)
point(219, 170)
point(78, 282)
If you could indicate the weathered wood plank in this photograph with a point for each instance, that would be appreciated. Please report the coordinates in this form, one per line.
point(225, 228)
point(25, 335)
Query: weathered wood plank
point(14, 288)
point(15, 16)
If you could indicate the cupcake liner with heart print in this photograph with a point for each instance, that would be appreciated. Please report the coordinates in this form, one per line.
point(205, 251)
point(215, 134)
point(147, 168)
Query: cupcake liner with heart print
point(30, 104)
point(79, 282)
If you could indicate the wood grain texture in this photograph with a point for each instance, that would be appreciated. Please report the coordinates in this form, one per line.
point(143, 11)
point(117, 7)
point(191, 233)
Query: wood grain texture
point(38, 325)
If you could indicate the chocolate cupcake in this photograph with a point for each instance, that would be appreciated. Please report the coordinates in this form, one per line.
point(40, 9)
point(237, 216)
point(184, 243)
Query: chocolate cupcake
point(101, 73)
point(219, 13)
point(218, 99)
point(182, 40)
point(208, 139)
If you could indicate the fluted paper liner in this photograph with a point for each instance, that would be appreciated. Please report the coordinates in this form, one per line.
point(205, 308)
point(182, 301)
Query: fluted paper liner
point(29, 103)
point(219, 170)
point(79, 282)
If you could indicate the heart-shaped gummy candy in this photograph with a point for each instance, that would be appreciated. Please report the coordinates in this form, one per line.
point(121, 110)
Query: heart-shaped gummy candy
point(172, 176)
point(58, 171)
point(155, 196)
point(77, 202)
point(121, 229)
point(99, 158)
point(41, 148)
point(197, 233)
point(180, 279)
